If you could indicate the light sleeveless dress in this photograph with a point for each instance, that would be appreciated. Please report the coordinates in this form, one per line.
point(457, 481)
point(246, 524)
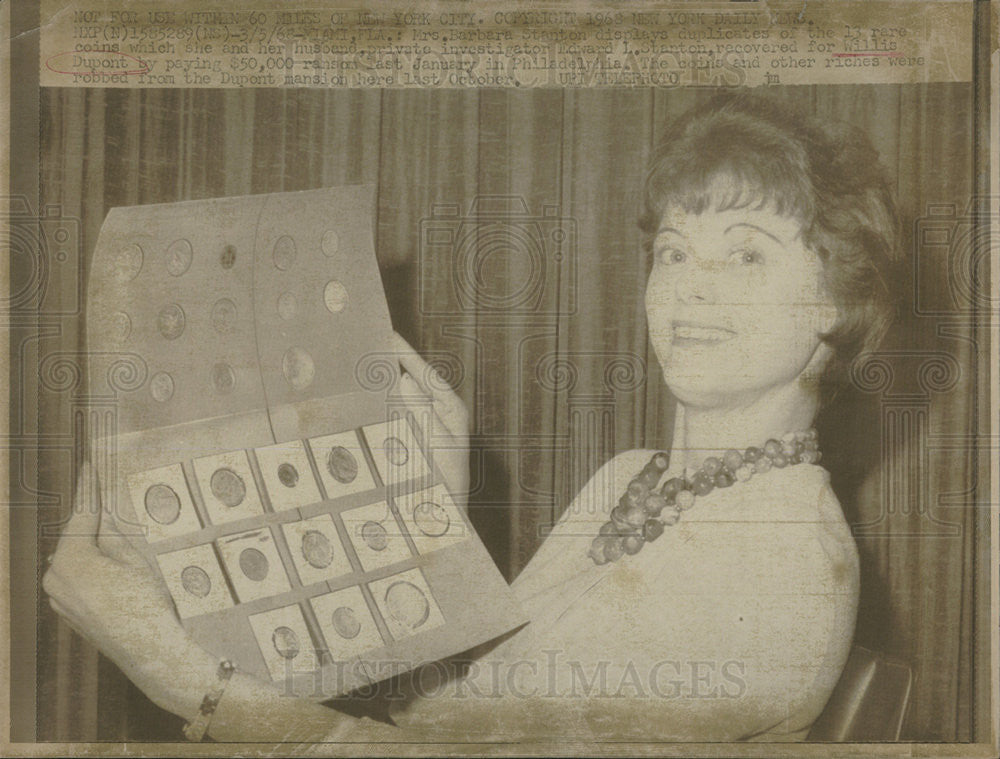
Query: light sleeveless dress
point(733, 625)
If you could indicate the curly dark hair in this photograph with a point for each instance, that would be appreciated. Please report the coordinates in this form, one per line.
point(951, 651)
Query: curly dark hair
point(826, 175)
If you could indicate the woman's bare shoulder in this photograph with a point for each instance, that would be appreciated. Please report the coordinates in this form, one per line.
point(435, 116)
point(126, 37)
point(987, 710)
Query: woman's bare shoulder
point(804, 496)
point(795, 493)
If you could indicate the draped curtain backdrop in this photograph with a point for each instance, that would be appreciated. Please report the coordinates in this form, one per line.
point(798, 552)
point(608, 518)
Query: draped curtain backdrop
point(549, 350)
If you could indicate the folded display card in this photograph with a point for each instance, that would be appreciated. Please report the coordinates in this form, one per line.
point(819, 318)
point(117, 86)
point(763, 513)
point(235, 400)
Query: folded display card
point(256, 453)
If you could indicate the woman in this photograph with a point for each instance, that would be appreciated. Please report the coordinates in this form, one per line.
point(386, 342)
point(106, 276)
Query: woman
point(708, 594)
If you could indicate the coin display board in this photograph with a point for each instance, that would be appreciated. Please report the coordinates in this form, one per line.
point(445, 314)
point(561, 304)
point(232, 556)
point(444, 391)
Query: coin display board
point(294, 513)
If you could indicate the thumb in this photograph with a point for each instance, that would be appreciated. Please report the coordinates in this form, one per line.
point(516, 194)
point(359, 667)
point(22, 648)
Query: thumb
point(116, 544)
point(79, 533)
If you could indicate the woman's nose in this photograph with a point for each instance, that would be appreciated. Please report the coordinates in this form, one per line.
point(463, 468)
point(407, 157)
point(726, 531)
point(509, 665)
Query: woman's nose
point(698, 283)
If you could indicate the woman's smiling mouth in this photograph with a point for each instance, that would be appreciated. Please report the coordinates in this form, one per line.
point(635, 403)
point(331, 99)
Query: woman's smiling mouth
point(688, 332)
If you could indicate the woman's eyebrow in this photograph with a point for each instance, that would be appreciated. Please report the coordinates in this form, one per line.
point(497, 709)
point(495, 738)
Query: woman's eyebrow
point(752, 226)
point(662, 230)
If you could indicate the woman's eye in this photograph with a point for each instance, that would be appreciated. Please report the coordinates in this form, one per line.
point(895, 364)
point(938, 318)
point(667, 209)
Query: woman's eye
point(748, 256)
point(672, 256)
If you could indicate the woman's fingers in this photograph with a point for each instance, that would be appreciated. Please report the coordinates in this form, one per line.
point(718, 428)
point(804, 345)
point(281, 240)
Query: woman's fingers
point(452, 413)
point(420, 405)
point(425, 375)
point(410, 359)
point(428, 413)
point(440, 413)
point(426, 380)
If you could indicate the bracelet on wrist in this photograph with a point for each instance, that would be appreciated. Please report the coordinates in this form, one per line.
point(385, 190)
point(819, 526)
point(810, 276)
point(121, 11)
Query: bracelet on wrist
point(195, 729)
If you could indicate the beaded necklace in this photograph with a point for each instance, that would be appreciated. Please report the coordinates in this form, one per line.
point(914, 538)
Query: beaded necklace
point(644, 512)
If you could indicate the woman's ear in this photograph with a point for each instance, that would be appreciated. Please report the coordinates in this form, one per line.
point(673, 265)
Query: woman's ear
point(817, 364)
point(829, 316)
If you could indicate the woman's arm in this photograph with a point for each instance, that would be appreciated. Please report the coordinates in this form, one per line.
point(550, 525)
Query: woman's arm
point(105, 590)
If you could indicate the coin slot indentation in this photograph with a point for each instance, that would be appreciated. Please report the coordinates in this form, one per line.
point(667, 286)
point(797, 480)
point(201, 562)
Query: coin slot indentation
point(223, 378)
point(298, 368)
point(284, 253)
point(286, 306)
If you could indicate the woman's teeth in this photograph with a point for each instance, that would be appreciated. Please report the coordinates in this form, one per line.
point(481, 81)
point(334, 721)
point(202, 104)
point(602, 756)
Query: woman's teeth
point(709, 334)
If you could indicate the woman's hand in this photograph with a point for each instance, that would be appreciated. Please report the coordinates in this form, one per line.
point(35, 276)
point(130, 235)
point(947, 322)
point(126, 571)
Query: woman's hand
point(104, 589)
point(448, 435)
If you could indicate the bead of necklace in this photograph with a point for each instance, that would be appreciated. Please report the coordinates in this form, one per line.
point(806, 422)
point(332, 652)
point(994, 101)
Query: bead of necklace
point(643, 512)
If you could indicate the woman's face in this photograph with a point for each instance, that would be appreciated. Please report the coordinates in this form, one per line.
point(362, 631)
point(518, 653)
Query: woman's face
point(735, 304)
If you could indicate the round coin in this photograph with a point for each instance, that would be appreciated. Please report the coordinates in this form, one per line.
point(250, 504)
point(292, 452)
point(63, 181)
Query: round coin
point(119, 326)
point(223, 378)
point(284, 253)
point(228, 487)
point(395, 451)
point(407, 604)
point(431, 519)
point(223, 315)
point(179, 257)
point(196, 581)
point(161, 387)
point(341, 464)
point(345, 622)
point(375, 536)
point(162, 504)
point(335, 296)
point(288, 475)
point(253, 564)
point(171, 321)
point(129, 263)
point(286, 642)
point(330, 242)
point(316, 549)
